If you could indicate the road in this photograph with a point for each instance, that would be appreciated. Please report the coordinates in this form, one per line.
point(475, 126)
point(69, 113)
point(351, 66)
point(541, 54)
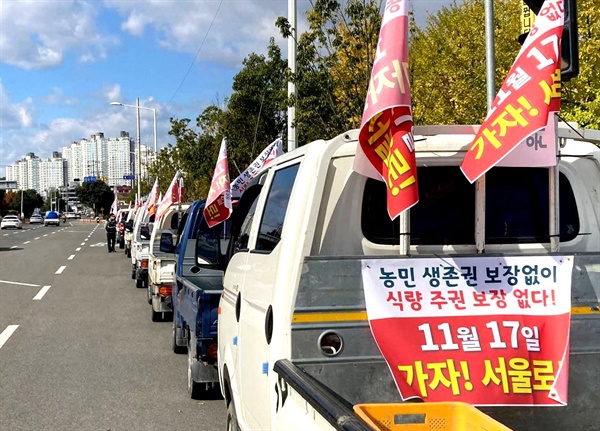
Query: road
point(78, 350)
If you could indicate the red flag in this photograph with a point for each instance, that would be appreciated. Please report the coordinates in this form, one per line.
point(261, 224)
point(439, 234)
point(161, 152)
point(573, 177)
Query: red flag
point(530, 92)
point(171, 196)
point(218, 204)
point(152, 199)
point(386, 149)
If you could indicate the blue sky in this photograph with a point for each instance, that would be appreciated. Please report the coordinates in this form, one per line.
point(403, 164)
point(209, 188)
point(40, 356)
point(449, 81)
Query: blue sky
point(63, 61)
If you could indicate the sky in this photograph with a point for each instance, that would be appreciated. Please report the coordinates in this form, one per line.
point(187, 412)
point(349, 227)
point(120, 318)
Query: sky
point(62, 62)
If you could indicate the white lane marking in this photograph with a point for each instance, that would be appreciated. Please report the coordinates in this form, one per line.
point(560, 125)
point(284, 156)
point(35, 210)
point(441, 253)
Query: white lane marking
point(78, 249)
point(10, 329)
point(14, 246)
point(85, 240)
point(45, 234)
point(60, 270)
point(83, 243)
point(36, 238)
point(53, 233)
point(5, 234)
point(26, 242)
point(71, 257)
point(41, 293)
point(17, 283)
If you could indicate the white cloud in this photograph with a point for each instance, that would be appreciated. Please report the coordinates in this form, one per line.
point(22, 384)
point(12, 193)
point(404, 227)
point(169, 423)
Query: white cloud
point(38, 34)
point(113, 93)
point(57, 97)
point(14, 115)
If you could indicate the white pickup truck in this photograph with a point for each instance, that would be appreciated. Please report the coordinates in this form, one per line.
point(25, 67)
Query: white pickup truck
point(140, 248)
point(161, 262)
point(295, 347)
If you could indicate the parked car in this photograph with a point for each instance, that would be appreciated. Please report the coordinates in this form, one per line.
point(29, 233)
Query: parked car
point(52, 217)
point(11, 221)
point(36, 218)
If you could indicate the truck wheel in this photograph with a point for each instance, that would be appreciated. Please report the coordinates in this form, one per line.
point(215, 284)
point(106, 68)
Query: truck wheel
point(139, 284)
point(195, 389)
point(133, 273)
point(149, 294)
point(176, 348)
point(128, 252)
point(121, 245)
point(232, 423)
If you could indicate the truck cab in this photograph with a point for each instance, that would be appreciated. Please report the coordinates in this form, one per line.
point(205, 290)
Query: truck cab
point(293, 290)
point(140, 248)
point(195, 298)
point(161, 262)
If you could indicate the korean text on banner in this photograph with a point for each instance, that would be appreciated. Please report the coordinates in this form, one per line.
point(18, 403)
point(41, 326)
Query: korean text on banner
point(218, 204)
point(171, 196)
point(386, 151)
point(530, 92)
point(481, 330)
point(538, 150)
point(273, 150)
point(152, 199)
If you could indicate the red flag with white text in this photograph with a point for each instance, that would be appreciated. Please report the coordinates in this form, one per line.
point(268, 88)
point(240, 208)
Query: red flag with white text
point(529, 94)
point(386, 151)
point(171, 196)
point(218, 204)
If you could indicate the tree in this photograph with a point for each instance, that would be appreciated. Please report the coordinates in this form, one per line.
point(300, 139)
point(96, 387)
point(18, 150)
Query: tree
point(581, 95)
point(31, 201)
point(96, 195)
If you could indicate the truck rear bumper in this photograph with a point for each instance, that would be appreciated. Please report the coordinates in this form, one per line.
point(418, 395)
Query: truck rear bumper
point(161, 303)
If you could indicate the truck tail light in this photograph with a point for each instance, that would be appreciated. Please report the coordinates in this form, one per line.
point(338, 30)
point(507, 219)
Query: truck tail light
point(212, 350)
point(165, 290)
point(144, 264)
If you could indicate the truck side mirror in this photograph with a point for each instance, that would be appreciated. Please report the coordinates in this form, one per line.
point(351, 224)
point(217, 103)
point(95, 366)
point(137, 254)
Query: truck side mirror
point(166, 242)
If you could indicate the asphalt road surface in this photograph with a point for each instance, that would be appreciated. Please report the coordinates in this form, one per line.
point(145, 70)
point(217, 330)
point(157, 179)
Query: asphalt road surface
point(78, 350)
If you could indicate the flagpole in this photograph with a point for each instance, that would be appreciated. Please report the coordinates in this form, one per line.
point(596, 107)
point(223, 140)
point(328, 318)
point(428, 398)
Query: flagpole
point(553, 198)
point(292, 14)
point(491, 95)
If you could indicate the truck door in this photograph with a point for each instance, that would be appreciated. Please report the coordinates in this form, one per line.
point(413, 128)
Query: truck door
point(256, 314)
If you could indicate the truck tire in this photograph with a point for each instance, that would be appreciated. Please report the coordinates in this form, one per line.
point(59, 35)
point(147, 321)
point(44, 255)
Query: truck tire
point(128, 252)
point(149, 294)
point(180, 350)
point(133, 273)
point(195, 389)
point(232, 423)
point(121, 245)
point(141, 284)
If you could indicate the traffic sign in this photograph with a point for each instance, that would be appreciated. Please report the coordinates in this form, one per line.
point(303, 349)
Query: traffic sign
point(129, 177)
point(91, 179)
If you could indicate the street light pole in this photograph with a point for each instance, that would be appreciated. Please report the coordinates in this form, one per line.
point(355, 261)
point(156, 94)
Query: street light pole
point(138, 107)
point(139, 155)
point(22, 215)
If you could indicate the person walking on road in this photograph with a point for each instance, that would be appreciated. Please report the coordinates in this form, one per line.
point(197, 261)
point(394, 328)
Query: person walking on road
point(111, 232)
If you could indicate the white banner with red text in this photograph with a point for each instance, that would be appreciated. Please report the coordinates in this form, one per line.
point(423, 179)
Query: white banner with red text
point(481, 330)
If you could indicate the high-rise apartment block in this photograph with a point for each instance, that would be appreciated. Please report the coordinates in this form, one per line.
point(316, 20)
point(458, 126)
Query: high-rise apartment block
point(109, 159)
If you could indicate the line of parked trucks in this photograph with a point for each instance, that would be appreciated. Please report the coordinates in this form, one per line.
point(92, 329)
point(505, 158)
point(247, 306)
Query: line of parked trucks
point(269, 306)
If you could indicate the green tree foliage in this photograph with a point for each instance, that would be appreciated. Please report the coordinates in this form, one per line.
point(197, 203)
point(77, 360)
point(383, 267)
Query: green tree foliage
point(254, 116)
point(256, 110)
point(447, 61)
point(31, 201)
point(96, 195)
point(581, 95)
